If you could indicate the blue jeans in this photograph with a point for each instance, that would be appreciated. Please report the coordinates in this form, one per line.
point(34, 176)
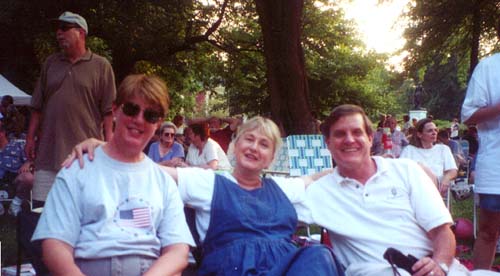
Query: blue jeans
point(489, 202)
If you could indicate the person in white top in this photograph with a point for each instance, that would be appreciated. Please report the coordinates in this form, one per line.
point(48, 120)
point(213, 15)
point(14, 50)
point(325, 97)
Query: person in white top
point(246, 221)
point(204, 152)
point(437, 157)
point(482, 107)
point(121, 214)
point(369, 204)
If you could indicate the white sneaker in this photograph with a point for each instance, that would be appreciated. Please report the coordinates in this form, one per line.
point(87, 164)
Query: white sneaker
point(2, 210)
point(14, 209)
point(15, 206)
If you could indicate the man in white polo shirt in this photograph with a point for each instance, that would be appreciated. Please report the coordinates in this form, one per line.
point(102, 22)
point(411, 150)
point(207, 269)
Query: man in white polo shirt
point(369, 204)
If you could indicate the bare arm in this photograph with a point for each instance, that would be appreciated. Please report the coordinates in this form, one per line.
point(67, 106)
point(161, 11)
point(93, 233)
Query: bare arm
point(213, 164)
point(172, 171)
point(484, 114)
point(308, 179)
point(443, 243)
point(448, 176)
point(58, 257)
point(232, 122)
point(173, 259)
point(196, 121)
point(107, 126)
point(35, 121)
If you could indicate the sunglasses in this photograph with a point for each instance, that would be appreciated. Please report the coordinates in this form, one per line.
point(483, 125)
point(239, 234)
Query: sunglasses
point(166, 134)
point(66, 27)
point(150, 115)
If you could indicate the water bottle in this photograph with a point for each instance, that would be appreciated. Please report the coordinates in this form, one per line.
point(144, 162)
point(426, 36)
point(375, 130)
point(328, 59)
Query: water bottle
point(387, 141)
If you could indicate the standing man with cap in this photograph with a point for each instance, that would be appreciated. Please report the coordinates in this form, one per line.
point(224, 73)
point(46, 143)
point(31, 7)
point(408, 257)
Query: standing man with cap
point(71, 102)
point(369, 203)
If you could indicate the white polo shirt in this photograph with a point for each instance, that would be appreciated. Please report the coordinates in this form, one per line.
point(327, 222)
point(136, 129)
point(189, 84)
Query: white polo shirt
point(396, 207)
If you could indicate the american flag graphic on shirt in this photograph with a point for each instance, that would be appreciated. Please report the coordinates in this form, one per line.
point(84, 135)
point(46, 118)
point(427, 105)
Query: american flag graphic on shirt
point(137, 217)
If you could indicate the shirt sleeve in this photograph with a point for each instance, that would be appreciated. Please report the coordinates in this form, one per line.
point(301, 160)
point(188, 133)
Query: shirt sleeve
point(294, 189)
point(405, 153)
point(173, 227)
point(108, 88)
point(210, 151)
point(196, 187)
point(61, 216)
point(476, 96)
point(449, 160)
point(178, 150)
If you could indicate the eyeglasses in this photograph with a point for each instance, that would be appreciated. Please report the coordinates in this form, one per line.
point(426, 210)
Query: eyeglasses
point(150, 115)
point(66, 27)
point(167, 134)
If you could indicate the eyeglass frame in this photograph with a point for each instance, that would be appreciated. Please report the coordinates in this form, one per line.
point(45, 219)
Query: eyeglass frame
point(149, 115)
point(67, 26)
point(169, 134)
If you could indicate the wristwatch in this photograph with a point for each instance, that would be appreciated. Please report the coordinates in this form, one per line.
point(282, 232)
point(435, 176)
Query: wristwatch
point(444, 267)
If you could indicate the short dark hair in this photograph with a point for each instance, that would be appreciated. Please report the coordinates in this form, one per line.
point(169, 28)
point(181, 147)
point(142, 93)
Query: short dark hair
point(201, 130)
point(7, 99)
point(444, 134)
point(342, 111)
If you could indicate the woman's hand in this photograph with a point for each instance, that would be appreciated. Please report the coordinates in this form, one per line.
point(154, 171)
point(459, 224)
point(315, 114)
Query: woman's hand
point(26, 167)
point(87, 146)
point(174, 162)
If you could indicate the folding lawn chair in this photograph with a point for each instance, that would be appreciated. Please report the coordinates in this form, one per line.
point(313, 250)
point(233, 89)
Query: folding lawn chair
point(308, 154)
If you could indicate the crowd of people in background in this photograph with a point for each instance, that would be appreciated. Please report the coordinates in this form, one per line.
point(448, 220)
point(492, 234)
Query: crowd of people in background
point(121, 207)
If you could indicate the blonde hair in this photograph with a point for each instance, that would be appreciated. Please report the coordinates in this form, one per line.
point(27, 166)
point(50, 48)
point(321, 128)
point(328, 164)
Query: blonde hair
point(150, 88)
point(264, 125)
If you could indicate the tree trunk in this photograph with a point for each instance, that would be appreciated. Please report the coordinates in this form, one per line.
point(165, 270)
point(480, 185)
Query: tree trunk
point(476, 33)
point(280, 21)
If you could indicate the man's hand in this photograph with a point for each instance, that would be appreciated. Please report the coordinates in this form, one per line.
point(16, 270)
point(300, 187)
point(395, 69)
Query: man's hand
point(87, 146)
point(427, 266)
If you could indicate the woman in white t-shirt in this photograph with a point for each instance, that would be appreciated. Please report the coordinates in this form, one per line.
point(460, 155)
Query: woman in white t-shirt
point(204, 152)
point(435, 157)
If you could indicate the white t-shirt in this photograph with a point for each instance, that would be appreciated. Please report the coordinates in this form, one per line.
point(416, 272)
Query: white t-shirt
point(196, 187)
point(484, 91)
point(438, 158)
point(111, 208)
point(211, 151)
point(396, 207)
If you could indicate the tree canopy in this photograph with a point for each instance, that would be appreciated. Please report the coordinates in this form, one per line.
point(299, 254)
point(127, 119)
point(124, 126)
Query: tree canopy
point(201, 45)
point(445, 40)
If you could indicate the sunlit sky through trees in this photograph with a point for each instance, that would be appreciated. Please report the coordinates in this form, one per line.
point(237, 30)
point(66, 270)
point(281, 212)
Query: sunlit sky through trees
point(379, 25)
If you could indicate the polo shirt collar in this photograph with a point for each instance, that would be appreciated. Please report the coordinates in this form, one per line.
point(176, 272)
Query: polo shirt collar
point(382, 168)
point(86, 57)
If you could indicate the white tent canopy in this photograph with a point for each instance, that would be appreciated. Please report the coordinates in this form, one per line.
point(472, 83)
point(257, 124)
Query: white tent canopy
point(7, 88)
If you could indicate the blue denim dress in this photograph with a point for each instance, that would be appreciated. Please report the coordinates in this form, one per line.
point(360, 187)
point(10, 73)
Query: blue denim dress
point(250, 234)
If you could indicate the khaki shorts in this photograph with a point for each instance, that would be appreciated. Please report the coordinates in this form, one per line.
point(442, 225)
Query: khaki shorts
point(130, 265)
point(42, 184)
